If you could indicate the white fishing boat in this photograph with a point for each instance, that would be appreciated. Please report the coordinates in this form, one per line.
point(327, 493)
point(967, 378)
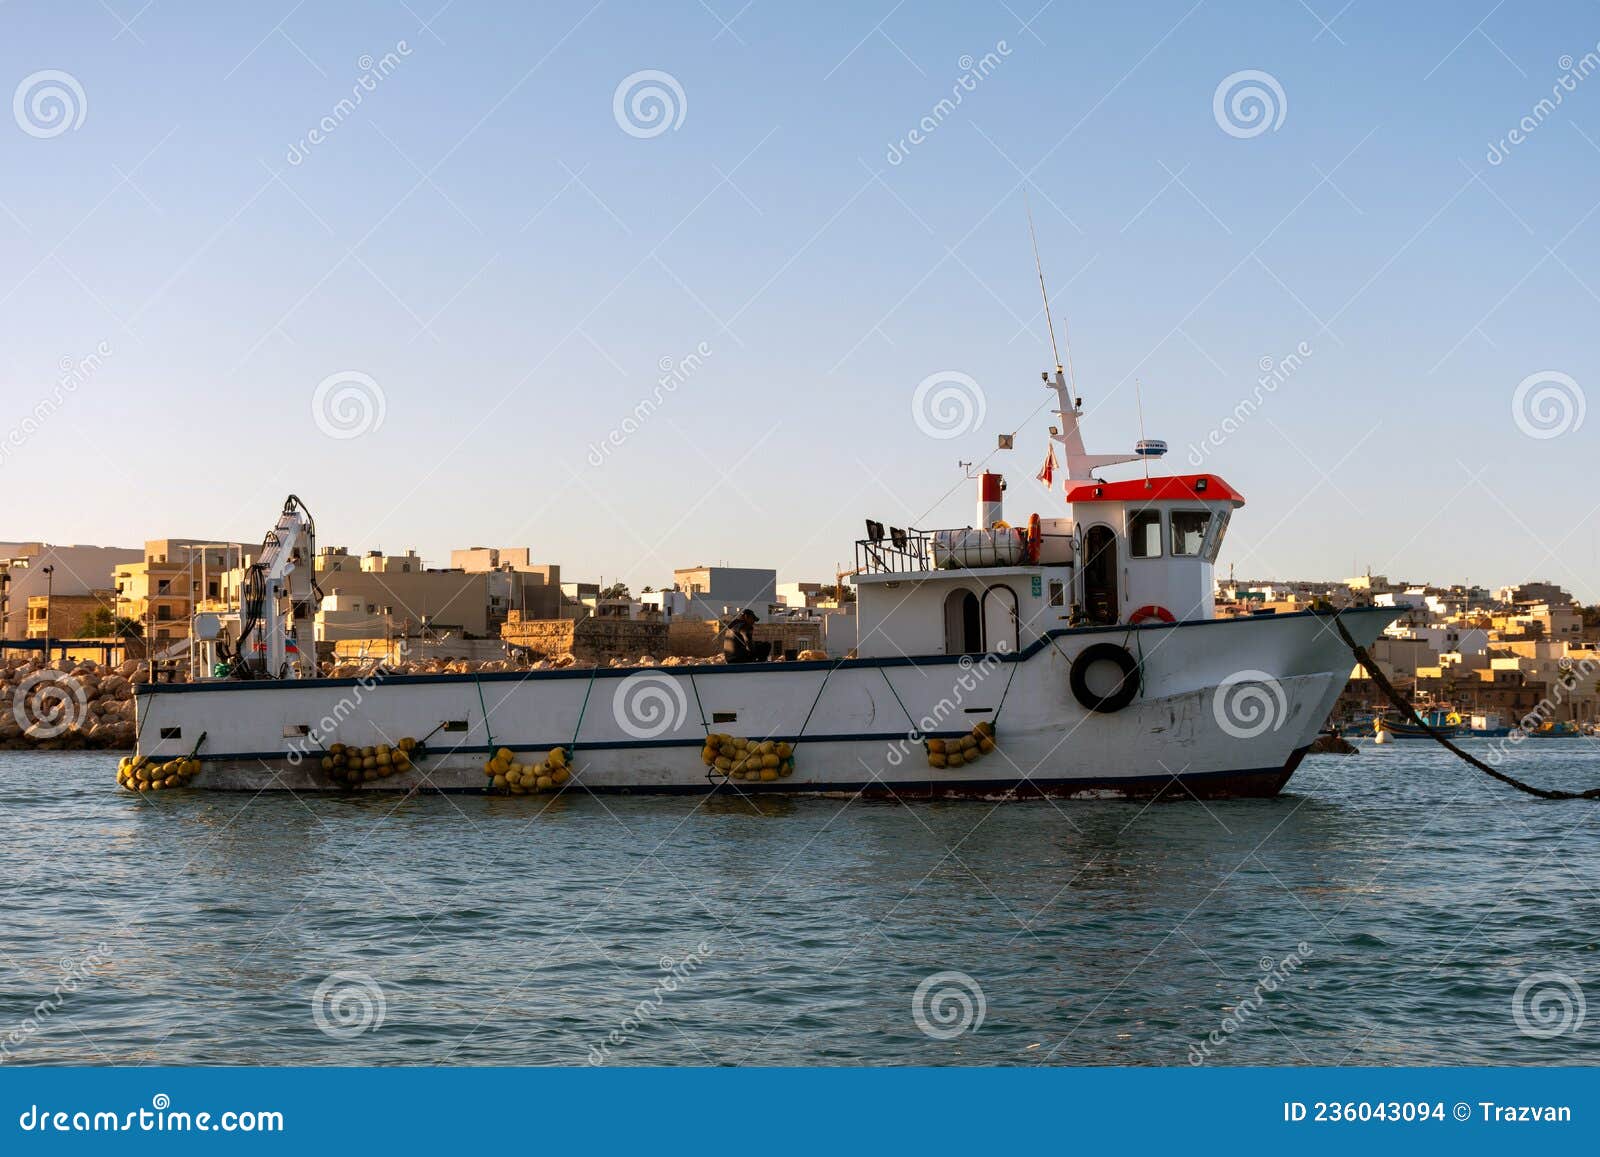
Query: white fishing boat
point(1077, 657)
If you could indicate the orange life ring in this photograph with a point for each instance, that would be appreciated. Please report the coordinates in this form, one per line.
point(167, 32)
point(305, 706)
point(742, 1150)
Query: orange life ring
point(1151, 611)
point(1035, 539)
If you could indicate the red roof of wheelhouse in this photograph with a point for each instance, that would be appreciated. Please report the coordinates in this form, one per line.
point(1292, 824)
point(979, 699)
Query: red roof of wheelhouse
point(1180, 488)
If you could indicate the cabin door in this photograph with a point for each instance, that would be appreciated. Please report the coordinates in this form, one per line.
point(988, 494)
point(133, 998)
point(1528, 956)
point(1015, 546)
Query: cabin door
point(1100, 575)
point(1000, 627)
point(963, 624)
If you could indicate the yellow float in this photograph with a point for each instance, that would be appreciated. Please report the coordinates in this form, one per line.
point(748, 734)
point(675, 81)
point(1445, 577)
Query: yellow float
point(141, 773)
point(352, 765)
point(750, 760)
point(507, 774)
point(969, 748)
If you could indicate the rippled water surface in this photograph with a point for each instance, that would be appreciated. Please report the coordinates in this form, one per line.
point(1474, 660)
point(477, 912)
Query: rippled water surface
point(197, 928)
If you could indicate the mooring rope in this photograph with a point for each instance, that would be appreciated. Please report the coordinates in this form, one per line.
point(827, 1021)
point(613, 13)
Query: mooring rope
point(583, 710)
point(1405, 708)
point(481, 707)
point(698, 706)
point(807, 721)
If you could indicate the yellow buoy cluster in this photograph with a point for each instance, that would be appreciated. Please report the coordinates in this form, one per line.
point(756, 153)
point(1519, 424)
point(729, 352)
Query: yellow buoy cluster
point(960, 752)
point(141, 773)
point(364, 764)
point(762, 760)
point(507, 774)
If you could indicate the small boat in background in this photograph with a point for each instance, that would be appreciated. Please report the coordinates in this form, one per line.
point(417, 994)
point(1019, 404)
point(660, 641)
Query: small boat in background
point(1423, 725)
point(1552, 729)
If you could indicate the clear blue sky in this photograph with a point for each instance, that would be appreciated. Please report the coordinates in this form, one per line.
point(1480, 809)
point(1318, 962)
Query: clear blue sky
point(484, 241)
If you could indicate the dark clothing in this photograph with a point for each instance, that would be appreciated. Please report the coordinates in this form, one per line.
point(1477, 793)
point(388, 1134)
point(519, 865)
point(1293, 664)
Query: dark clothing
point(739, 644)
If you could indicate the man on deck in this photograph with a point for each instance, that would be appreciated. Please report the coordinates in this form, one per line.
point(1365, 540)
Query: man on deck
point(738, 641)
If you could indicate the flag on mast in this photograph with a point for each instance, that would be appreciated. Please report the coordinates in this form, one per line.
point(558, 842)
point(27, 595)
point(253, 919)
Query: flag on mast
point(1047, 472)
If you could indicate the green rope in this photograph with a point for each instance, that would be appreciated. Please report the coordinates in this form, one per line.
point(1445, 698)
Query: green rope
point(884, 672)
point(995, 719)
point(706, 727)
point(482, 707)
point(584, 709)
point(138, 732)
point(818, 699)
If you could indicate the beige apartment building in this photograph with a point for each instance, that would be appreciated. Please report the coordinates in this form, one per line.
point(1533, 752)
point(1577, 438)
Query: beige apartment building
point(72, 570)
point(63, 616)
point(162, 591)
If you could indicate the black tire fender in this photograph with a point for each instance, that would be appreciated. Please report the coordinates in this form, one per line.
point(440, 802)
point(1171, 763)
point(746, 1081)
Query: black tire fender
point(1125, 691)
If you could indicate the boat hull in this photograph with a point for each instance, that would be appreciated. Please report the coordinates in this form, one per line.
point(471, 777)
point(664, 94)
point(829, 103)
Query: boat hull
point(1225, 708)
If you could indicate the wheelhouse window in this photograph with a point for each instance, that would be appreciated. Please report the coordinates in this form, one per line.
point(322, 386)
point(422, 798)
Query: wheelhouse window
point(1214, 546)
point(1144, 534)
point(1189, 531)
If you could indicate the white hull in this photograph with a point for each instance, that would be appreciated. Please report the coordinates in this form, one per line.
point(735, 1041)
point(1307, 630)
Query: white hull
point(856, 725)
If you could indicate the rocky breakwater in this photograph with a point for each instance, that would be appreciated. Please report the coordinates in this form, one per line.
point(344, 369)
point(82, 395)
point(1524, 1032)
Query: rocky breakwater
point(66, 705)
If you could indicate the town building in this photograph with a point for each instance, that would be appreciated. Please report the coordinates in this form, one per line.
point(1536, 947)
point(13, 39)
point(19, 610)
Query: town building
point(164, 588)
point(719, 592)
point(74, 570)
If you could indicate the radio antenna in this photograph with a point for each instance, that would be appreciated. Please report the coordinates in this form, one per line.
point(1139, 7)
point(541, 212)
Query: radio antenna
point(1039, 265)
point(1138, 394)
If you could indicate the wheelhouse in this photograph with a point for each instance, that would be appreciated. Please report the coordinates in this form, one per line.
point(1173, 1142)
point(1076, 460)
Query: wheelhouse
point(1134, 551)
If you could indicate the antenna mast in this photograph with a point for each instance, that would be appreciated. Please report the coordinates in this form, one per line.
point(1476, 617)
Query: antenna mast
point(1039, 265)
